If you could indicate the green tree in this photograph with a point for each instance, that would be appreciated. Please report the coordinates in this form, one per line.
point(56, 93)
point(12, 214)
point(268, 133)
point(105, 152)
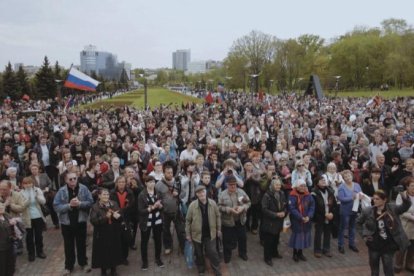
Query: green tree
point(123, 80)
point(10, 83)
point(45, 81)
point(162, 77)
point(24, 87)
point(257, 48)
point(58, 71)
point(394, 25)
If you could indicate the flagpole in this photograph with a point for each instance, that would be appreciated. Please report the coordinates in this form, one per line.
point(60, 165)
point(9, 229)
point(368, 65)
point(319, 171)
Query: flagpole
point(59, 88)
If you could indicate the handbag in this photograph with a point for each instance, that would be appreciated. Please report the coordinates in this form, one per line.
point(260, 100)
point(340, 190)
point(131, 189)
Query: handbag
point(45, 210)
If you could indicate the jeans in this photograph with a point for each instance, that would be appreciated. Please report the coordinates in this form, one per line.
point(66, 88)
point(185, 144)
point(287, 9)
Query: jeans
point(74, 234)
point(179, 228)
point(145, 236)
point(347, 221)
point(387, 262)
point(234, 237)
point(210, 247)
point(270, 244)
point(34, 237)
point(322, 230)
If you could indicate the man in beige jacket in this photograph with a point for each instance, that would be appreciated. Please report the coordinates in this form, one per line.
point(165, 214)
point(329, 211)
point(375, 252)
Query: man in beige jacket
point(203, 224)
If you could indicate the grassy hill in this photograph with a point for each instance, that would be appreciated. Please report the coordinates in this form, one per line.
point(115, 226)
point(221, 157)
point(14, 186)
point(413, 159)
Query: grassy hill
point(156, 96)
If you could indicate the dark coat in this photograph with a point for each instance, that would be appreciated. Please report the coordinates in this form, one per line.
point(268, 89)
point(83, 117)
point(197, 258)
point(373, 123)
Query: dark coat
point(106, 247)
point(367, 224)
point(143, 208)
point(296, 215)
point(6, 232)
point(128, 211)
point(108, 179)
point(270, 206)
point(319, 215)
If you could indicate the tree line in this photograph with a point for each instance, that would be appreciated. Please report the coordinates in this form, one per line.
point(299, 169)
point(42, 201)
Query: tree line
point(47, 80)
point(364, 58)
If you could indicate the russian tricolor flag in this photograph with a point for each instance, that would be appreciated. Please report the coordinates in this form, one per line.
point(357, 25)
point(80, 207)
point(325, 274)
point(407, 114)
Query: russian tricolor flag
point(78, 80)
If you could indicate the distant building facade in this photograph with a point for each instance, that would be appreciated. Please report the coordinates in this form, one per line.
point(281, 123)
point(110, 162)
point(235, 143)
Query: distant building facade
point(104, 64)
point(181, 59)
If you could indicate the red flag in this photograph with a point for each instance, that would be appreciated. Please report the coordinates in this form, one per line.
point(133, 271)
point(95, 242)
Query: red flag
point(209, 98)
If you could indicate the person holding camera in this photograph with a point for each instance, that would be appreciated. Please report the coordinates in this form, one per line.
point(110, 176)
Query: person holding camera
point(233, 205)
point(229, 171)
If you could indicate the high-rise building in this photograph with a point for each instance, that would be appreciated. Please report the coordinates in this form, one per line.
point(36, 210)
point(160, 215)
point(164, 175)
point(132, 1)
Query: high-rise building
point(181, 59)
point(104, 64)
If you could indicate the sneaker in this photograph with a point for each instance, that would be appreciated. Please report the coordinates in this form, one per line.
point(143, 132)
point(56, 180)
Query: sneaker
point(243, 257)
point(31, 257)
point(254, 232)
point(277, 256)
point(66, 272)
point(302, 258)
point(41, 255)
point(144, 267)
point(159, 263)
point(269, 262)
point(341, 250)
point(328, 254)
point(85, 269)
point(318, 255)
point(353, 248)
point(167, 251)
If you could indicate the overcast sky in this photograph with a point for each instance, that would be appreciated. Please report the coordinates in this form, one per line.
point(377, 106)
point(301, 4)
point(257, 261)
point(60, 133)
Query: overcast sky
point(145, 33)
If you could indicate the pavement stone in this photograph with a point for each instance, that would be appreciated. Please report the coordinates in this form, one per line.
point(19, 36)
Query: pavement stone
point(347, 264)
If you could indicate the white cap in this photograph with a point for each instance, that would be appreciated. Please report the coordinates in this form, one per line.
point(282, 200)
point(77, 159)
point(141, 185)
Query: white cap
point(298, 183)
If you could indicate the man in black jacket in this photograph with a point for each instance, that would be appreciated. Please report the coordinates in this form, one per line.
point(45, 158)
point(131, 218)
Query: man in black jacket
point(325, 204)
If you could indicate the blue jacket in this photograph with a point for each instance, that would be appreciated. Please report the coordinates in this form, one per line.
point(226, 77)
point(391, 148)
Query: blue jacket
point(308, 209)
point(61, 204)
point(345, 196)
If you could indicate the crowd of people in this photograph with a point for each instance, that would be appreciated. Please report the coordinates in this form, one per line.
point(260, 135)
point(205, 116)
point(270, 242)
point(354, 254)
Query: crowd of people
point(244, 163)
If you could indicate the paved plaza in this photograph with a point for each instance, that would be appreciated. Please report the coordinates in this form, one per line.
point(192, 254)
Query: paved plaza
point(347, 264)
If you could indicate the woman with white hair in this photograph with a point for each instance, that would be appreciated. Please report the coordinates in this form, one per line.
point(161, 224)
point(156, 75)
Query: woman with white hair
point(332, 177)
point(15, 180)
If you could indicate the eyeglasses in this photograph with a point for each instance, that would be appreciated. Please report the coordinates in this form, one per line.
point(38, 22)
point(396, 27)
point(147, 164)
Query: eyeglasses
point(301, 165)
point(73, 178)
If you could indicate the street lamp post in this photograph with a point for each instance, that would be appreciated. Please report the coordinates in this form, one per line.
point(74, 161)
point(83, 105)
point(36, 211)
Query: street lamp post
point(145, 91)
point(253, 81)
point(271, 86)
point(337, 85)
point(227, 80)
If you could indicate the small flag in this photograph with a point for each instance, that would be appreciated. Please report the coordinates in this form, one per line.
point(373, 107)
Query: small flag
point(78, 80)
point(69, 103)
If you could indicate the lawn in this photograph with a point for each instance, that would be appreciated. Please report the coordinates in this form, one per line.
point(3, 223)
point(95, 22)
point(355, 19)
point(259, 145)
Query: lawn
point(156, 96)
